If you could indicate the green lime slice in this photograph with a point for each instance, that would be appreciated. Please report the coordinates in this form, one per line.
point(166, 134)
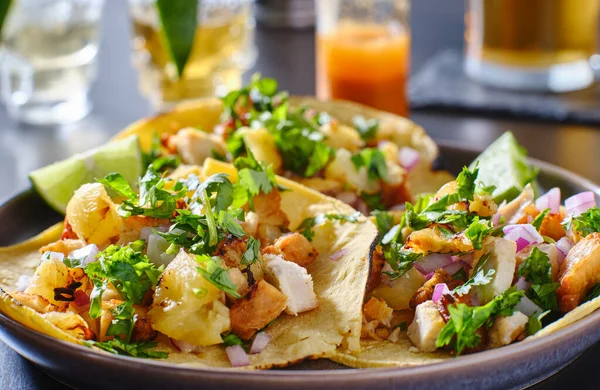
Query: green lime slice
point(504, 165)
point(57, 182)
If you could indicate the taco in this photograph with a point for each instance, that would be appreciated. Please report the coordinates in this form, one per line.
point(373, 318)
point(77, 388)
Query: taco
point(367, 158)
point(207, 266)
point(459, 273)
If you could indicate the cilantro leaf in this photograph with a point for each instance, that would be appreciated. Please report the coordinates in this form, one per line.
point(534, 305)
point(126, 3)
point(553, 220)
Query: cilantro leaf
point(594, 293)
point(212, 270)
point(586, 223)
point(466, 182)
point(373, 201)
point(460, 331)
point(232, 339)
point(139, 349)
point(479, 279)
point(537, 270)
point(401, 260)
point(117, 183)
point(384, 220)
point(157, 158)
point(477, 231)
point(123, 320)
point(537, 222)
point(374, 160)
point(367, 128)
point(252, 253)
point(534, 324)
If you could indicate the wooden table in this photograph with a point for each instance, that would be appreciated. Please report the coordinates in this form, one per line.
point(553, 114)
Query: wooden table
point(289, 57)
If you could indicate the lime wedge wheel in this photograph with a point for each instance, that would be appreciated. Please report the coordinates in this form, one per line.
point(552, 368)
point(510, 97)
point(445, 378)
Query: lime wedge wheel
point(56, 182)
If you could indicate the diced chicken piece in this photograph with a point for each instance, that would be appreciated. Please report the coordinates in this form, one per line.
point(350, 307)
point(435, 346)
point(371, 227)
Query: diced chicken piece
point(293, 281)
point(240, 281)
point(250, 223)
point(63, 246)
point(262, 145)
point(425, 293)
point(483, 205)
point(552, 226)
point(70, 323)
point(426, 327)
point(231, 250)
point(36, 302)
point(341, 136)
point(194, 146)
point(296, 248)
point(502, 259)
point(263, 304)
point(268, 209)
point(431, 240)
point(142, 328)
point(514, 211)
point(342, 169)
point(377, 310)
point(506, 329)
point(390, 150)
point(579, 272)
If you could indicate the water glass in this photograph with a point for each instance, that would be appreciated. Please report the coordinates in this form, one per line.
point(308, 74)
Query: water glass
point(48, 59)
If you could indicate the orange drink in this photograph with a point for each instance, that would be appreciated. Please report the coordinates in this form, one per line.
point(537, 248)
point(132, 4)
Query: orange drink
point(364, 62)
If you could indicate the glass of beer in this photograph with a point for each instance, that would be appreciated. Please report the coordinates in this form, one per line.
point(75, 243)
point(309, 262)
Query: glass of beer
point(531, 45)
point(223, 50)
point(363, 52)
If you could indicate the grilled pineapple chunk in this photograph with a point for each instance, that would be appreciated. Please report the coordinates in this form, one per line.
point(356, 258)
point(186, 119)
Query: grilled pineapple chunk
point(341, 136)
point(262, 145)
point(198, 319)
point(397, 293)
point(50, 274)
point(93, 215)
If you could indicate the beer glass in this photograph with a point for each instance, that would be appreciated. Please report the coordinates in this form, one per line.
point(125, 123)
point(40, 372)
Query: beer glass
point(363, 52)
point(531, 45)
point(223, 49)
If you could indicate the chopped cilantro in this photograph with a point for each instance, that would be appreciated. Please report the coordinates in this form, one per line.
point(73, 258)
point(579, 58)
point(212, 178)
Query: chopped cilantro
point(252, 253)
point(537, 270)
point(374, 160)
point(367, 128)
point(199, 292)
point(157, 158)
point(232, 339)
point(384, 220)
point(461, 275)
point(586, 223)
point(534, 324)
point(403, 326)
point(123, 321)
point(537, 222)
point(139, 349)
point(477, 231)
point(460, 332)
point(373, 201)
point(254, 178)
point(594, 293)
point(479, 278)
point(306, 227)
point(302, 149)
point(127, 269)
point(401, 260)
point(212, 270)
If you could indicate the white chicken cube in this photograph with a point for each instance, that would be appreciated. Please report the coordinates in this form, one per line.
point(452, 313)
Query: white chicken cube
point(426, 327)
point(342, 169)
point(506, 329)
point(293, 281)
point(194, 146)
point(341, 136)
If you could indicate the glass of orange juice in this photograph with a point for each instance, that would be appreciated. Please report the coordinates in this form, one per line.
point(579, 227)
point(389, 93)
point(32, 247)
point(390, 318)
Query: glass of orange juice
point(363, 52)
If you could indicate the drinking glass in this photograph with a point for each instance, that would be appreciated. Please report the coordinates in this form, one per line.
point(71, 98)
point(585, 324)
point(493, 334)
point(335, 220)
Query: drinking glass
point(48, 59)
point(533, 45)
point(223, 50)
point(363, 49)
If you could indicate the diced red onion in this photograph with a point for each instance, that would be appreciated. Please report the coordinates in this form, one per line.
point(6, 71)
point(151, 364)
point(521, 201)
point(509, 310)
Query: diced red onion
point(337, 255)
point(54, 256)
point(429, 276)
point(261, 340)
point(455, 267)
point(523, 235)
point(237, 356)
point(86, 255)
point(496, 219)
point(408, 157)
point(439, 290)
point(527, 307)
point(432, 262)
point(522, 284)
point(468, 259)
point(563, 245)
point(398, 207)
point(580, 203)
point(550, 200)
point(81, 298)
point(23, 282)
point(186, 347)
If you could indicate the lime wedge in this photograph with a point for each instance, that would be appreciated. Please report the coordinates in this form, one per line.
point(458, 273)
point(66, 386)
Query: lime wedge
point(57, 182)
point(504, 165)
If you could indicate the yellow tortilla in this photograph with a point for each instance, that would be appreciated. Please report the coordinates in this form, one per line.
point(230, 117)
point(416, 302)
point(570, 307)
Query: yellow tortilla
point(339, 285)
point(205, 115)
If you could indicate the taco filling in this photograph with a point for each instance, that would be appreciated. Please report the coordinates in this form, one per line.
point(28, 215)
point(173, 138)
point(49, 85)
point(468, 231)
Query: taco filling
point(366, 158)
point(460, 273)
point(193, 261)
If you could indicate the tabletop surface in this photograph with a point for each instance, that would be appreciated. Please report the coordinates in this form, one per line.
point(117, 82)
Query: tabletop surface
point(288, 56)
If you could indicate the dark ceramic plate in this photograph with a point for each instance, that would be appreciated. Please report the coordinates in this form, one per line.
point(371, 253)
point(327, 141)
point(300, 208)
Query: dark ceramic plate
point(517, 365)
